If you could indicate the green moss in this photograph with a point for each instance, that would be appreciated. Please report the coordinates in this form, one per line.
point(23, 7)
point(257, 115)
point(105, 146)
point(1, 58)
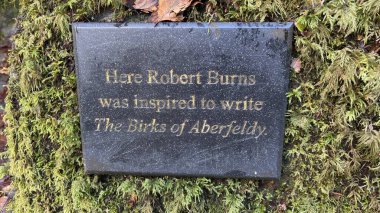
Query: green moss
point(331, 156)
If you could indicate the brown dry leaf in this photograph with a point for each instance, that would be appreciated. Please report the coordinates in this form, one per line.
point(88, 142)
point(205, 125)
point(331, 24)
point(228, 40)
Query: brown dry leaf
point(296, 65)
point(5, 182)
point(337, 194)
point(282, 207)
point(170, 10)
point(373, 48)
point(3, 93)
point(3, 202)
point(146, 6)
point(196, 3)
point(2, 123)
point(4, 70)
point(132, 201)
point(3, 146)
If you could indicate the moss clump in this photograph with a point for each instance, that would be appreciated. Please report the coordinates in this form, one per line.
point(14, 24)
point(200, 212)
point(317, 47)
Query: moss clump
point(331, 155)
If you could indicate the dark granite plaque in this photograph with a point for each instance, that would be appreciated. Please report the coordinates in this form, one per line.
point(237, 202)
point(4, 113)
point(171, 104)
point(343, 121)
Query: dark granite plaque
point(183, 99)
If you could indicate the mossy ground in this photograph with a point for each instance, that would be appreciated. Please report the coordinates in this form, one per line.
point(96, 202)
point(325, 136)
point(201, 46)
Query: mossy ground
point(332, 148)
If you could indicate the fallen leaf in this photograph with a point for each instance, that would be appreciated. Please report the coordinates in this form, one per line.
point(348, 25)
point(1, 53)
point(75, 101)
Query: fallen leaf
point(4, 182)
point(132, 201)
point(374, 47)
point(296, 65)
point(3, 145)
point(337, 194)
point(170, 10)
point(146, 6)
point(3, 93)
point(3, 202)
point(282, 207)
point(196, 3)
point(4, 70)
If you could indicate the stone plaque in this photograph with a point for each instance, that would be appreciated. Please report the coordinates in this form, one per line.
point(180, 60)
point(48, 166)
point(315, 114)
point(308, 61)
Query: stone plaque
point(183, 99)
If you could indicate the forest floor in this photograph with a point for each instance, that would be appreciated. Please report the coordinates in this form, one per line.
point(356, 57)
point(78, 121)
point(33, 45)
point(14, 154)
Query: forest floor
point(7, 29)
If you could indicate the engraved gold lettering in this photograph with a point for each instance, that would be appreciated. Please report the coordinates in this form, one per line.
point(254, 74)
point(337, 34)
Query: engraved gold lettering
point(113, 102)
point(143, 127)
point(111, 76)
point(214, 77)
point(105, 125)
point(172, 78)
point(122, 78)
point(164, 104)
point(245, 105)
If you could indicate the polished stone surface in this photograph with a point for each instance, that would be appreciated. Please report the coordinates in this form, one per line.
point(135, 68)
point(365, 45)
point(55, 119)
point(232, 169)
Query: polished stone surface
point(151, 98)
